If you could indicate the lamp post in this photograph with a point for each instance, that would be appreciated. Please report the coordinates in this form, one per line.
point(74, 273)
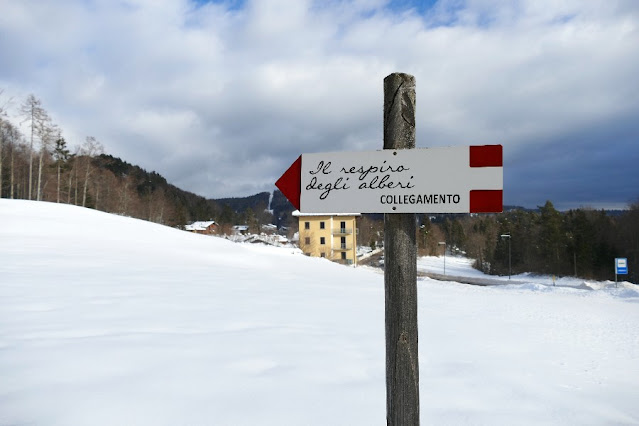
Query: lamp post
point(509, 264)
point(443, 243)
point(424, 234)
point(574, 251)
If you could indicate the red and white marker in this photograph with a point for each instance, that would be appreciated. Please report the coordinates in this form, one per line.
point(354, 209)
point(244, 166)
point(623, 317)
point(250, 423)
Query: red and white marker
point(423, 180)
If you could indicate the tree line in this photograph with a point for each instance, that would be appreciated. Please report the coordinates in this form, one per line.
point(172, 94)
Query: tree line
point(39, 165)
point(581, 242)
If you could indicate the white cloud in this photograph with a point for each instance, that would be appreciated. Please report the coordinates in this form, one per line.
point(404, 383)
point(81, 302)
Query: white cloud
point(220, 101)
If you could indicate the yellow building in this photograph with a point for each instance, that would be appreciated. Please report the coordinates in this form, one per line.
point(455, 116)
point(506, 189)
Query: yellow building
point(333, 236)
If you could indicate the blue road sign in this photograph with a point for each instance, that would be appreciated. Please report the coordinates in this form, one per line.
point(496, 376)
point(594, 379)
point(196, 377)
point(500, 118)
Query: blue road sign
point(621, 266)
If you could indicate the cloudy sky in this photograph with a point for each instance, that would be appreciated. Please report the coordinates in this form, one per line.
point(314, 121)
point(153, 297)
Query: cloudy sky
point(220, 97)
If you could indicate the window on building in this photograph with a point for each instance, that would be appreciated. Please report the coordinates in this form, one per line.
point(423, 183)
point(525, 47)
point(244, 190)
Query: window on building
point(322, 225)
point(307, 240)
point(307, 225)
point(343, 255)
point(322, 240)
point(322, 254)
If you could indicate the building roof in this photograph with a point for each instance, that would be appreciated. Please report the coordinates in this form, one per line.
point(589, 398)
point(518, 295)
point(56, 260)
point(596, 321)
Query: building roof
point(199, 226)
point(297, 213)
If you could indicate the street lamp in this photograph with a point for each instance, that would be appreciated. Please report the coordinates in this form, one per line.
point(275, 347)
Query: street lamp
point(574, 251)
point(443, 243)
point(424, 234)
point(509, 268)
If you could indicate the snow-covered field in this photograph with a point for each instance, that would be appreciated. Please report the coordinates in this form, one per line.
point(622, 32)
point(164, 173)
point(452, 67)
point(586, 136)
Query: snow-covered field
point(108, 320)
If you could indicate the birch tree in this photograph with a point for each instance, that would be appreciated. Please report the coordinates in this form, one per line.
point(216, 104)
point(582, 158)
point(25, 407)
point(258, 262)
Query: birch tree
point(3, 106)
point(46, 131)
point(3, 142)
point(4, 136)
point(15, 138)
point(32, 110)
point(89, 149)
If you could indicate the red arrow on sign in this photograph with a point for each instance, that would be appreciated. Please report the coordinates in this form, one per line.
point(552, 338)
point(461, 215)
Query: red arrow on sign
point(291, 183)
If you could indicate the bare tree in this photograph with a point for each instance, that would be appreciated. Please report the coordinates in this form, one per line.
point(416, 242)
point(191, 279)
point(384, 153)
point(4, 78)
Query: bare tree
point(32, 111)
point(3, 142)
point(4, 136)
point(3, 105)
point(9, 138)
point(16, 136)
point(89, 149)
point(11, 173)
point(124, 197)
point(46, 131)
point(73, 174)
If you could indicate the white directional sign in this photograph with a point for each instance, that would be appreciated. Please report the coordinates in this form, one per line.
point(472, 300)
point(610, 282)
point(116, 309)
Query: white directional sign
point(428, 180)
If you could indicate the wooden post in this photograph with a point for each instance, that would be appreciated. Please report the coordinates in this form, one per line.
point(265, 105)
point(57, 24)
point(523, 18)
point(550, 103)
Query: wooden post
point(400, 267)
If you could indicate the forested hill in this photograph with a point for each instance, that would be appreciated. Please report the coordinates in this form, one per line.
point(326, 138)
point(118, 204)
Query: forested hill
point(260, 207)
point(149, 195)
point(41, 166)
point(160, 201)
point(87, 176)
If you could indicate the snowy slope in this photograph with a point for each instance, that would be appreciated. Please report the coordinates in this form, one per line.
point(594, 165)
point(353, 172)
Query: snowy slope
point(110, 320)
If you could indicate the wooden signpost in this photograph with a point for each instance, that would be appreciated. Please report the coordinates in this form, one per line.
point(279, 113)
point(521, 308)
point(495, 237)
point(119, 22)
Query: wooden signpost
point(399, 181)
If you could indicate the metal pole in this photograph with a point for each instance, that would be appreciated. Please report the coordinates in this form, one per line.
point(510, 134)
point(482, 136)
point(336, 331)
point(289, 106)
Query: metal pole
point(400, 268)
point(445, 246)
point(509, 259)
point(509, 253)
point(443, 243)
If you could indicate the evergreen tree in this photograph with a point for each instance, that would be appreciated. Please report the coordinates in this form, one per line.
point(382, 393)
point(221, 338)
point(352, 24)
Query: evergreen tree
point(61, 155)
point(550, 238)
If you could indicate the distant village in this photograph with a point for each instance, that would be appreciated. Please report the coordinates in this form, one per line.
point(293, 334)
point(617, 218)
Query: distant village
point(330, 236)
point(269, 234)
